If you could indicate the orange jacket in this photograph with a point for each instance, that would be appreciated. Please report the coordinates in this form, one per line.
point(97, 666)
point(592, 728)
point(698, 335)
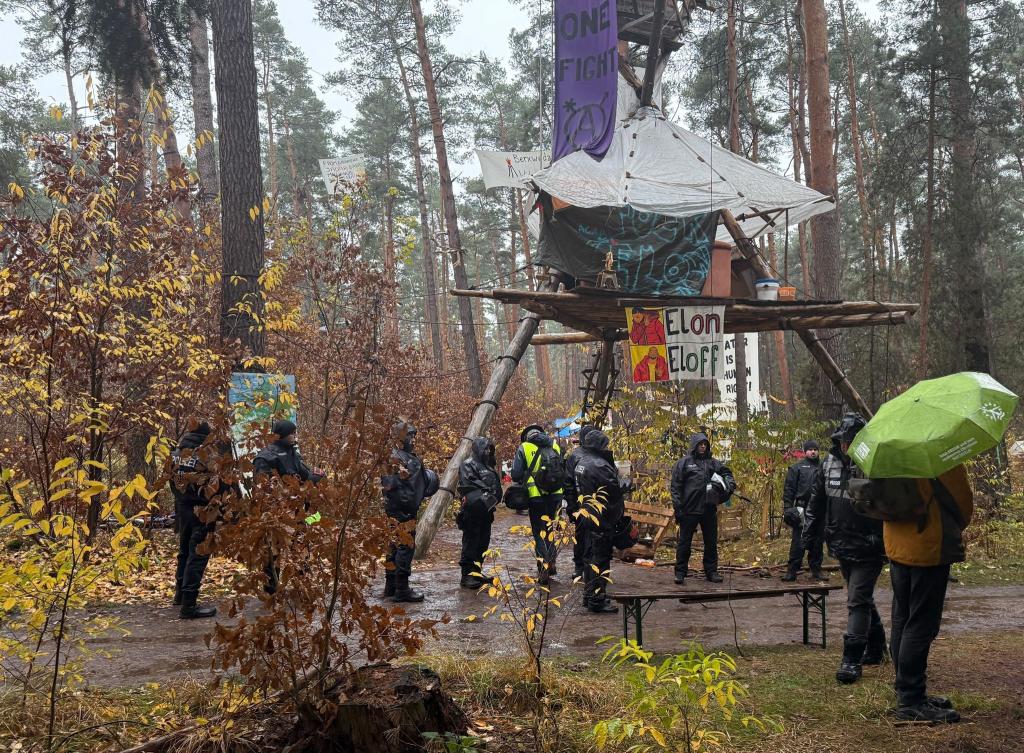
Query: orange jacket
point(940, 541)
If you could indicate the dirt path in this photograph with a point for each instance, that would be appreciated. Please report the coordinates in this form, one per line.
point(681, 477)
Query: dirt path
point(161, 647)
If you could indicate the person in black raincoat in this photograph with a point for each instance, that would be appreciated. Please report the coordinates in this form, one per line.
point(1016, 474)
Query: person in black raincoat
point(193, 488)
point(543, 504)
point(597, 478)
point(281, 458)
point(572, 501)
point(700, 483)
point(854, 540)
point(404, 490)
point(480, 488)
point(800, 481)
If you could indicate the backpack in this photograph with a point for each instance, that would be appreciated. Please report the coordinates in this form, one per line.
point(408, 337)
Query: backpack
point(887, 498)
point(550, 474)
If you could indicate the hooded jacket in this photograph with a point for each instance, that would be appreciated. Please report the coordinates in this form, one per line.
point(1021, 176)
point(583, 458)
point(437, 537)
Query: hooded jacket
point(569, 490)
point(800, 480)
point(537, 438)
point(691, 477)
point(284, 459)
point(478, 478)
point(849, 535)
point(411, 483)
point(939, 539)
point(595, 472)
point(192, 482)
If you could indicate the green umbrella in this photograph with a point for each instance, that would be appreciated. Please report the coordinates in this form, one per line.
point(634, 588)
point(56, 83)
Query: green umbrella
point(934, 426)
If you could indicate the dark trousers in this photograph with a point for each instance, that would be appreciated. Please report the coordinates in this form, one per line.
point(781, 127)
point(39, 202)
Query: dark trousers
point(862, 621)
point(540, 507)
point(579, 547)
point(191, 565)
point(708, 523)
point(918, 596)
point(815, 553)
point(597, 561)
point(476, 535)
point(401, 555)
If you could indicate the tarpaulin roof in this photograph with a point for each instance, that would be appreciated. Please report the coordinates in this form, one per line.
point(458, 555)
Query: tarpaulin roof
point(655, 165)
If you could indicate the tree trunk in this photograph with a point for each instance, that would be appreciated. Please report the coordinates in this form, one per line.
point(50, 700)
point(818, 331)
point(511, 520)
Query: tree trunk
point(202, 110)
point(390, 265)
point(544, 375)
point(429, 280)
point(241, 175)
point(739, 350)
point(926, 234)
point(448, 202)
point(967, 227)
point(824, 227)
point(796, 116)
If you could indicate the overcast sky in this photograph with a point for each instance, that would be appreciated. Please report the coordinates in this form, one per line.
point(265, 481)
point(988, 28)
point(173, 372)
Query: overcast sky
point(485, 26)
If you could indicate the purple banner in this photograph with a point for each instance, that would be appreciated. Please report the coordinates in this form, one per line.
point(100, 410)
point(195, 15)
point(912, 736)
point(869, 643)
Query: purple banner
point(586, 74)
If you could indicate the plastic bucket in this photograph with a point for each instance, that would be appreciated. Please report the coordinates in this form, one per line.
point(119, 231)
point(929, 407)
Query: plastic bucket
point(767, 289)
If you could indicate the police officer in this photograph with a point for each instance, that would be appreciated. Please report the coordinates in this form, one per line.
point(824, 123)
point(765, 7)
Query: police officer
point(542, 504)
point(854, 540)
point(190, 486)
point(700, 483)
point(572, 501)
point(405, 488)
point(800, 480)
point(480, 488)
point(281, 457)
point(597, 479)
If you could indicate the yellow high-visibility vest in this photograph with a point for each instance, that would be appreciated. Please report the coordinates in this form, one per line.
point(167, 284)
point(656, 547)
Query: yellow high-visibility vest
point(529, 451)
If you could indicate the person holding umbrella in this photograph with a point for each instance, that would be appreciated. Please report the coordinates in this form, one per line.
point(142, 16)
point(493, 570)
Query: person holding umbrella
point(854, 540)
point(926, 434)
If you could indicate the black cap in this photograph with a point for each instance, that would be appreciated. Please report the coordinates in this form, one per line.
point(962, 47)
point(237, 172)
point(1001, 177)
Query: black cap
point(283, 427)
point(202, 429)
point(810, 444)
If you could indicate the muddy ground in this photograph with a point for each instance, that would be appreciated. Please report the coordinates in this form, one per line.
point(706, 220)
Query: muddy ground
point(161, 648)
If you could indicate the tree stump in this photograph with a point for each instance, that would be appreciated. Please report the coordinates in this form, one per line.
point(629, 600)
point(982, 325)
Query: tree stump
point(385, 709)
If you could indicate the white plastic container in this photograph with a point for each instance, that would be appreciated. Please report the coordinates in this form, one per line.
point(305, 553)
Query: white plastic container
point(767, 289)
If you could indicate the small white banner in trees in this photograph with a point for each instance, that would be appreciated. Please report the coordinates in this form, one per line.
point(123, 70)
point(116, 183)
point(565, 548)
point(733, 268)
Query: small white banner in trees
point(511, 169)
point(676, 342)
point(337, 171)
point(756, 401)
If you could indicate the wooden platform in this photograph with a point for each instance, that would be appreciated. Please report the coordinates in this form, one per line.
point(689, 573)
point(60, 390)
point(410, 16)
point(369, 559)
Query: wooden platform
point(600, 314)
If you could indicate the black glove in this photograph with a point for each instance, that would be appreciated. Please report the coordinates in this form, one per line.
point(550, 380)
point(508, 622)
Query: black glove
point(791, 517)
point(627, 485)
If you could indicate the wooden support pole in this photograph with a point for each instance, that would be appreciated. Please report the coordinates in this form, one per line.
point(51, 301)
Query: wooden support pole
point(602, 386)
point(479, 423)
point(744, 244)
point(653, 53)
point(833, 372)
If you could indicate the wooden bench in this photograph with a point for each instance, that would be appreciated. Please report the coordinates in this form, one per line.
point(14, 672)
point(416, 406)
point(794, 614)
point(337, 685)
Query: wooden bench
point(635, 605)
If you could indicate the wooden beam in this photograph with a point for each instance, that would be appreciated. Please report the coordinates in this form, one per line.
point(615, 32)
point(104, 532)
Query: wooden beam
point(653, 53)
point(834, 372)
point(479, 423)
point(745, 245)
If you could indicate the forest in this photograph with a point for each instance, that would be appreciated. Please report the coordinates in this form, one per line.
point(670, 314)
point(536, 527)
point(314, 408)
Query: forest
point(171, 234)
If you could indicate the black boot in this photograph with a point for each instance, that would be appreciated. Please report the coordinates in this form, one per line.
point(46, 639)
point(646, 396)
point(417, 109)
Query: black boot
point(818, 575)
point(602, 605)
point(789, 577)
point(926, 712)
point(714, 577)
point(389, 584)
point(471, 581)
point(680, 578)
point(876, 650)
point(543, 575)
point(403, 593)
point(850, 668)
point(190, 611)
point(177, 594)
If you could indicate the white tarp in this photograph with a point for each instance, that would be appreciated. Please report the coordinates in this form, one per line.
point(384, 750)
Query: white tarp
point(655, 165)
point(510, 169)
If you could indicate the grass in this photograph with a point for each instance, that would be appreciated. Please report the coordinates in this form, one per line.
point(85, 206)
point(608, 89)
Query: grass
point(792, 684)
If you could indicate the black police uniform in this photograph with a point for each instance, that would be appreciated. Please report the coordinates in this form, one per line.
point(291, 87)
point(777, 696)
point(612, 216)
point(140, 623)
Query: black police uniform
point(799, 486)
point(595, 472)
point(480, 488)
